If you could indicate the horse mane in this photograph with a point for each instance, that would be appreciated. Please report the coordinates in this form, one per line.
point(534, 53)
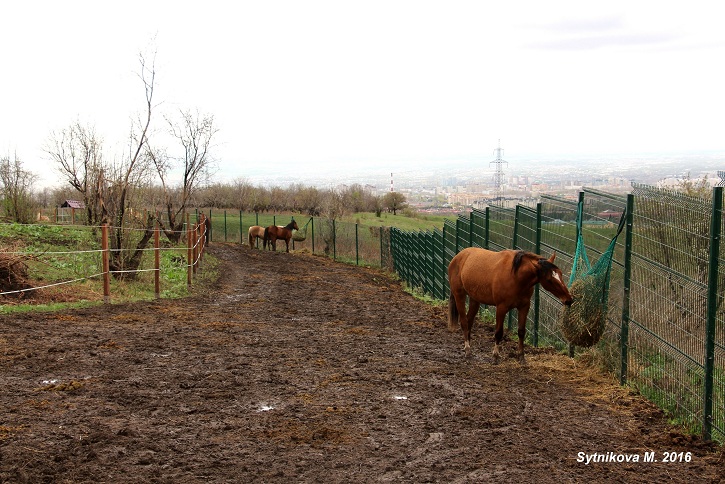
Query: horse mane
point(544, 264)
point(518, 258)
point(291, 225)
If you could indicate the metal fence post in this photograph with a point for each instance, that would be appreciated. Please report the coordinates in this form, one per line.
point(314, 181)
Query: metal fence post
point(485, 228)
point(537, 249)
point(470, 229)
point(381, 245)
point(715, 229)
point(624, 332)
point(211, 225)
point(517, 213)
point(444, 269)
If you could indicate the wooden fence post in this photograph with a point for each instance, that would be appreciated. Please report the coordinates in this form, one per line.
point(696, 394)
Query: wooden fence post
point(157, 263)
point(106, 265)
point(188, 253)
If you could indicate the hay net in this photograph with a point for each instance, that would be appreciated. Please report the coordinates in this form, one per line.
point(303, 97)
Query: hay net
point(583, 322)
point(301, 234)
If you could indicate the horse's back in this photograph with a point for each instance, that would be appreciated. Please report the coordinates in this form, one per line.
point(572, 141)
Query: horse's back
point(481, 273)
point(475, 259)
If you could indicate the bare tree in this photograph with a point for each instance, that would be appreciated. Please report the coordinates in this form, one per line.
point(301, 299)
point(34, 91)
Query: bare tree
point(126, 175)
point(108, 188)
point(17, 200)
point(77, 151)
point(195, 134)
point(243, 190)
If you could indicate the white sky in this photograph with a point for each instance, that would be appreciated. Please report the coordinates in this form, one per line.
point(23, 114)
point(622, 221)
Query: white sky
point(306, 85)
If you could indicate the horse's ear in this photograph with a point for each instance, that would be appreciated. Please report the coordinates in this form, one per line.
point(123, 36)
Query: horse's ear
point(553, 256)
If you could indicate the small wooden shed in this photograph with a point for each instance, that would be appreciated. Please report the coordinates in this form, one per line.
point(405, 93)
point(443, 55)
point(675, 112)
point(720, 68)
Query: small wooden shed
point(73, 204)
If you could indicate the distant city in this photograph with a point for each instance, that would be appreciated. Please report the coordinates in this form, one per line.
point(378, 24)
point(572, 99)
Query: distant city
point(466, 183)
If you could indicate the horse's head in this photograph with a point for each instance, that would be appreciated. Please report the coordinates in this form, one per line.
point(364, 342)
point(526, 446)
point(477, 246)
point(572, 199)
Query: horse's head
point(551, 279)
point(293, 223)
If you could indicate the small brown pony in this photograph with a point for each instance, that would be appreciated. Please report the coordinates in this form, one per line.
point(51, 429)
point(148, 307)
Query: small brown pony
point(255, 232)
point(504, 279)
point(274, 232)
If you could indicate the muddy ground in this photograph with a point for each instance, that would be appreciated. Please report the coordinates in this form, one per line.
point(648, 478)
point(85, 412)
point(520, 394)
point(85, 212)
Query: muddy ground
point(294, 368)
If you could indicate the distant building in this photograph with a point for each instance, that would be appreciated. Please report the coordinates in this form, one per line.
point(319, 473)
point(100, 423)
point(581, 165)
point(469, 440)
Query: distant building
point(73, 204)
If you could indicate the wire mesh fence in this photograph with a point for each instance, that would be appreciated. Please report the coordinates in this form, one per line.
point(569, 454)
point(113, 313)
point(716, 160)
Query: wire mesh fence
point(665, 321)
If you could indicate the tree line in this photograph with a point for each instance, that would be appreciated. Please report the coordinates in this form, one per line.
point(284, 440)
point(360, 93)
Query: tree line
point(23, 204)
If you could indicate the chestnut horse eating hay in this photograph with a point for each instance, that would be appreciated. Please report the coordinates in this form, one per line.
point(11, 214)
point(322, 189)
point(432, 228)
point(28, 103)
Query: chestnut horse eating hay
point(504, 279)
point(255, 232)
point(274, 232)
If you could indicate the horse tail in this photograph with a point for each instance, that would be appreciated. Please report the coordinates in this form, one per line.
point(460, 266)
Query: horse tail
point(452, 313)
point(265, 238)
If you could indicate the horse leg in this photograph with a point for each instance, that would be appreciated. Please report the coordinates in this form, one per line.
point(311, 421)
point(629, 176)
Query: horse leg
point(470, 318)
point(286, 241)
point(498, 334)
point(523, 313)
point(457, 314)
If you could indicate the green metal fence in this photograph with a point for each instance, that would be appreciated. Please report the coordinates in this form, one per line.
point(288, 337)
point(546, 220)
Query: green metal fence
point(665, 332)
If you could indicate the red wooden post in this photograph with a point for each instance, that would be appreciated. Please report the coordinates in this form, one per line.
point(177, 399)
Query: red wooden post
point(196, 245)
point(188, 253)
point(157, 263)
point(106, 265)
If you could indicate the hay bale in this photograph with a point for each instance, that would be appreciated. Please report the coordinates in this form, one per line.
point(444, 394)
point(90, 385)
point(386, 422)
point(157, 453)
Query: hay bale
point(582, 323)
point(299, 235)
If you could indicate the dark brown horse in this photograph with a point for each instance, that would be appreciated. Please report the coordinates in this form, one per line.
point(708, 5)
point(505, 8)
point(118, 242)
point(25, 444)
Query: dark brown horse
point(504, 279)
point(274, 232)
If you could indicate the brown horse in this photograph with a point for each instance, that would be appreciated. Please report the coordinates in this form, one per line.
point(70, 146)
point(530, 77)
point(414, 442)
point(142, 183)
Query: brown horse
point(504, 279)
point(255, 232)
point(274, 232)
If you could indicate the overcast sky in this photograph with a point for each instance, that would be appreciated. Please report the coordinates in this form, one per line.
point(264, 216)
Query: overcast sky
point(303, 85)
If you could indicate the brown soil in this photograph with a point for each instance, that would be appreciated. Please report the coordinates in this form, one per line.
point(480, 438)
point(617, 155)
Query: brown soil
point(294, 368)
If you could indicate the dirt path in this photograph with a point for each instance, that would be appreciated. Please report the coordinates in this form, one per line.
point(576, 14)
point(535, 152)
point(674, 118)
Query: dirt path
point(294, 368)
